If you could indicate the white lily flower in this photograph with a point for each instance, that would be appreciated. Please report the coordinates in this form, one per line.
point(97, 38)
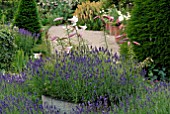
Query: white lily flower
point(37, 55)
point(73, 20)
point(74, 24)
point(121, 18)
point(68, 49)
point(128, 16)
point(83, 27)
point(76, 28)
point(119, 12)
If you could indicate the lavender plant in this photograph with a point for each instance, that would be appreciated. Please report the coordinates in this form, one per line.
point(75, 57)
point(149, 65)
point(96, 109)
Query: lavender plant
point(79, 76)
point(155, 100)
point(14, 98)
point(25, 40)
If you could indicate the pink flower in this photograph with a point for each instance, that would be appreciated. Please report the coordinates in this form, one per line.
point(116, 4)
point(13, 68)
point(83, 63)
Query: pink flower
point(121, 42)
point(125, 39)
point(108, 17)
point(121, 26)
point(98, 17)
point(54, 38)
point(58, 19)
point(120, 36)
point(71, 35)
point(128, 43)
point(136, 43)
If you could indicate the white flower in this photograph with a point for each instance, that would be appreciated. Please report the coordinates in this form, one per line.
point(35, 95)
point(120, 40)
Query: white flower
point(68, 49)
point(74, 24)
point(76, 28)
point(73, 20)
point(83, 27)
point(121, 18)
point(119, 12)
point(37, 55)
point(128, 16)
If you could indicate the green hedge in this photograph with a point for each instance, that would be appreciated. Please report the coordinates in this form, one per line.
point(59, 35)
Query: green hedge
point(149, 25)
point(7, 49)
point(27, 16)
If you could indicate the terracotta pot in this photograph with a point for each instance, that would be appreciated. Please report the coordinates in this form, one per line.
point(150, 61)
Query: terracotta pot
point(114, 30)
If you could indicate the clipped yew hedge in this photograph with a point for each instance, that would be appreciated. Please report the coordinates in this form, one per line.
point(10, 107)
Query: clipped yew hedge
point(149, 25)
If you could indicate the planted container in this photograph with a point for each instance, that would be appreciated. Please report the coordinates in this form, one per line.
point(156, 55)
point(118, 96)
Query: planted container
point(54, 105)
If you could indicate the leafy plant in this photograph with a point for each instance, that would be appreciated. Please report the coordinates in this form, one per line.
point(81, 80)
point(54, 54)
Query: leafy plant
point(20, 61)
point(155, 73)
point(8, 9)
point(86, 13)
point(25, 40)
point(88, 74)
point(51, 9)
point(7, 49)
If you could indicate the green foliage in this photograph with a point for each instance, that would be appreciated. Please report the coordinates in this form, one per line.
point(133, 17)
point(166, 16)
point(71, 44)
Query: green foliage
point(76, 75)
point(27, 17)
point(154, 101)
point(149, 25)
point(20, 61)
point(25, 40)
point(8, 9)
point(7, 49)
point(86, 13)
point(156, 73)
point(51, 9)
point(127, 51)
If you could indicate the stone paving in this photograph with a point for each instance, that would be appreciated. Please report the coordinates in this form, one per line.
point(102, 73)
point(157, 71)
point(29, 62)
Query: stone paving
point(92, 38)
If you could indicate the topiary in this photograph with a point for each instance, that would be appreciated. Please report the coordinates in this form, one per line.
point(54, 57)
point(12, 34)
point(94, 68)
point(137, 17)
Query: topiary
point(86, 13)
point(27, 17)
point(149, 25)
point(7, 49)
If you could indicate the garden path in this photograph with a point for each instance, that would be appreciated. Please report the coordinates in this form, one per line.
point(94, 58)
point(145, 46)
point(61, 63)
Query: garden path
point(93, 38)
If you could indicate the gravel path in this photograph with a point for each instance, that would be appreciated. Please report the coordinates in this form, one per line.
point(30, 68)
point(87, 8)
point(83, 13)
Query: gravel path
point(94, 38)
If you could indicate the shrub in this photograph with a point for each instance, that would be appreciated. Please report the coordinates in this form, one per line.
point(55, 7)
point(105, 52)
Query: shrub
point(86, 13)
point(149, 26)
point(25, 40)
point(155, 100)
point(8, 9)
point(79, 77)
point(14, 98)
point(50, 9)
point(27, 16)
point(7, 49)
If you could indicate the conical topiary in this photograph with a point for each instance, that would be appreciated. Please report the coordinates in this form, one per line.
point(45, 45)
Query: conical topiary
point(27, 16)
point(149, 25)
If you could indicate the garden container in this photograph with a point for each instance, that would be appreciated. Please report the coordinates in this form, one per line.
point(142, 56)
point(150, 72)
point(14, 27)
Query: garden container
point(52, 105)
point(114, 30)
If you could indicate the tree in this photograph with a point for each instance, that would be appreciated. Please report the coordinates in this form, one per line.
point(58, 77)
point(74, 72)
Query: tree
point(27, 17)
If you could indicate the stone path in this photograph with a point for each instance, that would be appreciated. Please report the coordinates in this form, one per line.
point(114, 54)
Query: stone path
point(94, 38)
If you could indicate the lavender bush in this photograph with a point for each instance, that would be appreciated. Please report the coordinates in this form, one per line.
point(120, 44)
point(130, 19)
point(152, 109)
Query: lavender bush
point(14, 98)
point(25, 40)
point(82, 76)
point(154, 101)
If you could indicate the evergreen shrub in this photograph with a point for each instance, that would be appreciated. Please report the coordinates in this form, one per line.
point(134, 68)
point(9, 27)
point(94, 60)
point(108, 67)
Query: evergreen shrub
point(27, 16)
point(149, 25)
point(7, 49)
